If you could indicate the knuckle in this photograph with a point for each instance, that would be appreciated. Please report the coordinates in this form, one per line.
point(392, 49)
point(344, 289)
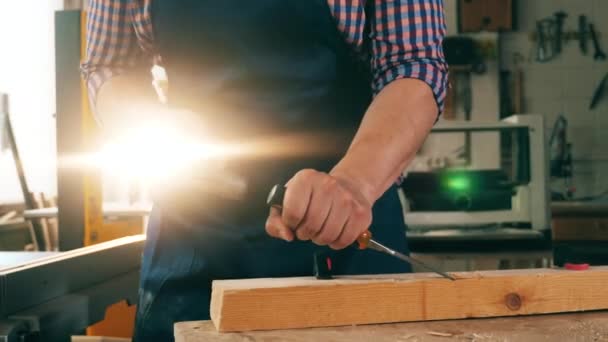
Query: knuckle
point(362, 214)
point(346, 198)
point(330, 183)
point(306, 174)
point(361, 210)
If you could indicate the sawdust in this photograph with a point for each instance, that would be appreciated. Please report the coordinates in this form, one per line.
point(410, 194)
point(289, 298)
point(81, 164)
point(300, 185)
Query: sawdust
point(477, 337)
point(591, 329)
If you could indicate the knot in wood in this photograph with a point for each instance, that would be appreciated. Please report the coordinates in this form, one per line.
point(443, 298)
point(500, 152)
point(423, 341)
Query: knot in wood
point(513, 301)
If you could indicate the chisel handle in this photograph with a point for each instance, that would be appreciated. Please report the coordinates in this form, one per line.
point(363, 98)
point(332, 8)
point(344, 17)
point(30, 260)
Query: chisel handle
point(276, 197)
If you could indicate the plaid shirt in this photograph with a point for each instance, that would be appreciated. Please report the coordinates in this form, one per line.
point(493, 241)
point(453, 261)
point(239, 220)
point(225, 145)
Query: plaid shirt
point(406, 38)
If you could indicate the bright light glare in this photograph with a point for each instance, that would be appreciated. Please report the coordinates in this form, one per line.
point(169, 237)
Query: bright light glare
point(156, 153)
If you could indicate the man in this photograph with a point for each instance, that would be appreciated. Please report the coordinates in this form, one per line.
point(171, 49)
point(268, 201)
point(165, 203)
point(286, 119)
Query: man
point(365, 80)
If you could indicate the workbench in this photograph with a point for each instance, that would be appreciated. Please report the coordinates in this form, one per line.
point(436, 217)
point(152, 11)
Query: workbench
point(590, 326)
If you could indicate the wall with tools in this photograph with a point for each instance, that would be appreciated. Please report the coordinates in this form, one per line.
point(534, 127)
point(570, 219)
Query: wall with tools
point(473, 96)
point(560, 78)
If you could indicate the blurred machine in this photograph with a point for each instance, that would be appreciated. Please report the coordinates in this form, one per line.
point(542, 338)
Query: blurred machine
point(49, 296)
point(507, 199)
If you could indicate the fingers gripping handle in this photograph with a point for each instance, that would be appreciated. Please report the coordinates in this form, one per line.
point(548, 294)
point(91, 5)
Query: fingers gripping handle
point(276, 197)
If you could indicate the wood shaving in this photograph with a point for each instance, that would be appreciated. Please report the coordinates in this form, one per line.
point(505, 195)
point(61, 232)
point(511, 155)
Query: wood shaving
point(475, 337)
point(440, 334)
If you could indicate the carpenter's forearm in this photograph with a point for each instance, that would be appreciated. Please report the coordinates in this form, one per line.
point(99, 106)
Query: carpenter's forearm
point(393, 129)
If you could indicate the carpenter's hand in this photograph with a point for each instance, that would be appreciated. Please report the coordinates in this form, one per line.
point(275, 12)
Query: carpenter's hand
point(325, 208)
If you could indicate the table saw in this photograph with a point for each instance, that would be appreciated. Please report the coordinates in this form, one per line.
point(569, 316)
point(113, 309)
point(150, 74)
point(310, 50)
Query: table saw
point(51, 296)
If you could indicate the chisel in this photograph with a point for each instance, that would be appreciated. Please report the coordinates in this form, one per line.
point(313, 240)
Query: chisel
point(364, 241)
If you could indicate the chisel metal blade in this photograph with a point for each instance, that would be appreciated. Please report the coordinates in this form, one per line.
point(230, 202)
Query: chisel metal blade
point(381, 248)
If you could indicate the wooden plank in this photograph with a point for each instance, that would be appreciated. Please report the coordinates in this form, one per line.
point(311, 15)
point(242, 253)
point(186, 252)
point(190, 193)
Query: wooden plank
point(285, 303)
point(5, 218)
point(591, 326)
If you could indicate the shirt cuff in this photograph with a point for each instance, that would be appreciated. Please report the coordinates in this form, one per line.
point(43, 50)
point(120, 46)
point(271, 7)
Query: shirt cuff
point(96, 78)
point(433, 72)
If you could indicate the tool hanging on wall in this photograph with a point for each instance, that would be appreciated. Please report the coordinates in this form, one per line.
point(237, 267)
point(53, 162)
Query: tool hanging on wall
point(599, 92)
point(583, 33)
point(465, 57)
point(559, 30)
point(545, 35)
point(550, 37)
point(518, 93)
point(561, 158)
point(598, 55)
point(511, 88)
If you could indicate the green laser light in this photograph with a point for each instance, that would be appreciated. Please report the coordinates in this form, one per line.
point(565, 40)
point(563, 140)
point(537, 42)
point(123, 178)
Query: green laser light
point(459, 183)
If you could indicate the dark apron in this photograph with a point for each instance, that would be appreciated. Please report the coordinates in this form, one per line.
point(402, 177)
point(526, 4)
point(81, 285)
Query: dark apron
point(253, 69)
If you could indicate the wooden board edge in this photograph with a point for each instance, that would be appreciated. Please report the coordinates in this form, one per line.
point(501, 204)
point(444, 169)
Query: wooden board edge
point(254, 290)
point(215, 307)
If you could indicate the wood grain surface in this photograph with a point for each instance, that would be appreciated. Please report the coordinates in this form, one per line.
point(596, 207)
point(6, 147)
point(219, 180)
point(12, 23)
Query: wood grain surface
point(287, 303)
point(580, 327)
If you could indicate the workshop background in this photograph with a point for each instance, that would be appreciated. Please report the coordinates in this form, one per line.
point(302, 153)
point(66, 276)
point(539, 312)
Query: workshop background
point(562, 86)
point(566, 84)
point(505, 59)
